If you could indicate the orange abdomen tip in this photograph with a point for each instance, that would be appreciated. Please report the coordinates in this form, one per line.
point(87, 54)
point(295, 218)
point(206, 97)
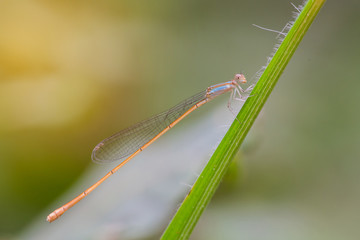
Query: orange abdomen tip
point(55, 214)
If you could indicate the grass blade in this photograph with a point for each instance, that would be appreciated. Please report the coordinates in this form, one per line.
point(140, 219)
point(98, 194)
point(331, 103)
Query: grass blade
point(194, 204)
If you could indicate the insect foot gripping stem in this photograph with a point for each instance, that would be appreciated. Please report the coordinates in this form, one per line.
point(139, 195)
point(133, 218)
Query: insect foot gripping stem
point(55, 214)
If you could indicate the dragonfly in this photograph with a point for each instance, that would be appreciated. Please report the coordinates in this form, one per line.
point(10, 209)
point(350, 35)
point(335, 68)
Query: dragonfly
point(126, 144)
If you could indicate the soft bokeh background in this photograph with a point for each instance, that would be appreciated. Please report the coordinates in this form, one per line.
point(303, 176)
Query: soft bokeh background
point(75, 72)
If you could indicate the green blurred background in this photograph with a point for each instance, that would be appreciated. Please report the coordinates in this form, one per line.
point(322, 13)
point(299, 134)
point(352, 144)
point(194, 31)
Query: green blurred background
point(75, 72)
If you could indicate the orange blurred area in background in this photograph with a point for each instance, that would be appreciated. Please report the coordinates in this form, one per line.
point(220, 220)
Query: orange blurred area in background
point(59, 62)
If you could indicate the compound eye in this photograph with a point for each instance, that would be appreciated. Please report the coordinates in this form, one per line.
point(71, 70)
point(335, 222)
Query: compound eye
point(240, 77)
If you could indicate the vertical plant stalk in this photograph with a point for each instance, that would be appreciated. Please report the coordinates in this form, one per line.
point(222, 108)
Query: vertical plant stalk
point(204, 188)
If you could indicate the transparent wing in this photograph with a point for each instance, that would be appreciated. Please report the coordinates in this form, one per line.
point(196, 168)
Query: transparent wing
point(129, 140)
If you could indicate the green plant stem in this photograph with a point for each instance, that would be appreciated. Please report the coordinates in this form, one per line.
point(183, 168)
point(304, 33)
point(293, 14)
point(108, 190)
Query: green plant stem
point(194, 204)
